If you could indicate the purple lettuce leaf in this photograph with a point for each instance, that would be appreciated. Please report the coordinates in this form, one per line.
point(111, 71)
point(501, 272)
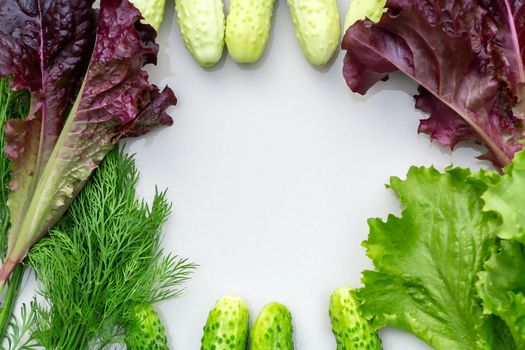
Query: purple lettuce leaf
point(448, 48)
point(114, 99)
point(44, 46)
point(509, 47)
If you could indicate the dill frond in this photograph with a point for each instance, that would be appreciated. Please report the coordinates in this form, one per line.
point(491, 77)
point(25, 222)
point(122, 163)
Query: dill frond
point(101, 259)
point(21, 330)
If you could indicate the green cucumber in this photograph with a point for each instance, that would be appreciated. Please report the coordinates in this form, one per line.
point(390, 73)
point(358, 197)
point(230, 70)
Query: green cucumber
point(227, 325)
point(317, 28)
point(361, 9)
point(351, 329)
point(152, 11)
point(146, 331)
point(273, 329)
point(202, 25)
point(248, 28)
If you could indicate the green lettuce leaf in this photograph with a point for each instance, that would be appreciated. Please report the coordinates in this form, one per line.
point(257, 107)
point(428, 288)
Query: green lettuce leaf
point(427, 261)
point(502, 288)
point(502, 284)
point(506, 199)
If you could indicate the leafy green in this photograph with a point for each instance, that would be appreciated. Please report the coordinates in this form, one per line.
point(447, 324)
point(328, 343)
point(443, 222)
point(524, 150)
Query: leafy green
point(427, 261)
point(502, 288)
point(101, 260)
point(506, 199)
point(501, 285)
point(13, 105)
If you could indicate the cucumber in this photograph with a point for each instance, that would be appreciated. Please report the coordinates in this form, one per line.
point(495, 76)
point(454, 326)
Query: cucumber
point(351, 329)
point(273, 329)
point(317, 28)
point(146, 331)
point(202, 25)
point(247, 29)
point(361, 9)
point(152, 11)
point(227, 325)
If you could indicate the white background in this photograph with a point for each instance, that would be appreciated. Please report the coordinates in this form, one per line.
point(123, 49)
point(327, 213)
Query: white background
point(273, 170)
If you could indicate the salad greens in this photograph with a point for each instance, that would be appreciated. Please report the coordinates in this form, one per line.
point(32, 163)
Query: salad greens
point(102, 260)
point(88, 89)
point(501, 285)
point(466, 56)
point(13, 105)
point(450, 269)
point(427, 261)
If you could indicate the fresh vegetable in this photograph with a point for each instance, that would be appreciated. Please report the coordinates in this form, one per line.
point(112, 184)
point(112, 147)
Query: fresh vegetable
point(501, 285)
point(352, 331)
point(14, 105)
point(101, 260)
point(202, 26)
point(227, 325)
point(145, 331)
point(152, 11)
point(426, 262)
point(20, 332)
point(467, 60)
point(247, 29)
point(317, 28)
point(272, 329)
point(363, 9)
point(458, 230)
point(67, 55)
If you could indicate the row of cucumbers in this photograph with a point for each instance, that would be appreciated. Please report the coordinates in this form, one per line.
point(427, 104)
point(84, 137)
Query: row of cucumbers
point(227, 327)
point(205, 28)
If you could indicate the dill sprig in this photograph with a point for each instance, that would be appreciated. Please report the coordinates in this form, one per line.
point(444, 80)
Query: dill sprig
point(102, 259)
point(21, 330)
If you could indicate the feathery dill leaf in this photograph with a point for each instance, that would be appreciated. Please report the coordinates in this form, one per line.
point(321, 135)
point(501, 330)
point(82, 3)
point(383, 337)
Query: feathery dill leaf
point(102, 259)
point(21, 330)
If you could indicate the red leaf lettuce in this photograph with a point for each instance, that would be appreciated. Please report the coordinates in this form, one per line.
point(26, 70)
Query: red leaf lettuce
point(83, 68)
point(467, 57)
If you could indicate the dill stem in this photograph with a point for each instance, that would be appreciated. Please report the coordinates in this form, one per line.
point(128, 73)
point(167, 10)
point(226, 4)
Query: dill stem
point(13, 289)
point(74, 340)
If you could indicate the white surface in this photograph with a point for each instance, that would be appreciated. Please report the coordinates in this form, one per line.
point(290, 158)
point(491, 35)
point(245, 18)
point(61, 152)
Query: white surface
point(273, 170)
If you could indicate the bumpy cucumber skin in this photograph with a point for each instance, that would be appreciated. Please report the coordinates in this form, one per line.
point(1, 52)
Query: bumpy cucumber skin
point(227, 325)
point(152, 11)
point(361, 9)
point(202, 27)
point(317, 28)
point(352, 331)
point(248, 28)
point(146, 332)
point(273, 329)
